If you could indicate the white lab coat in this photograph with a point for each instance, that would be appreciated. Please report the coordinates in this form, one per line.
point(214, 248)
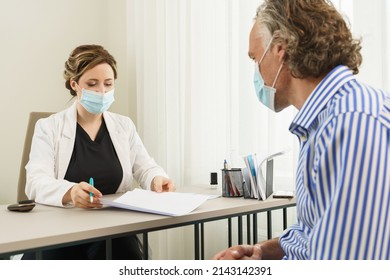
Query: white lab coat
point(52, 147)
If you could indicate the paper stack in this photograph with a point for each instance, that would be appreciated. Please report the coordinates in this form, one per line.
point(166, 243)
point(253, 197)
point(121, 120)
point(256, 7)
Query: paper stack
point(165, 203)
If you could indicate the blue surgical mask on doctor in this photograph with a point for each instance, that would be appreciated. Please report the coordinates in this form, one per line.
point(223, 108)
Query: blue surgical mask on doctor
point(265, 94)
point(96, 102)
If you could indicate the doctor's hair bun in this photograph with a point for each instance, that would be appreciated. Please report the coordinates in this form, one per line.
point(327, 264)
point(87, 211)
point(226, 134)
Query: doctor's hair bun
point(83, 58)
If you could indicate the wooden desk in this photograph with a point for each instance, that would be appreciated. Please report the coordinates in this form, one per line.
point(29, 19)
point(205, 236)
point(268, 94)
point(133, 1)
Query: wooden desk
point(51, 227)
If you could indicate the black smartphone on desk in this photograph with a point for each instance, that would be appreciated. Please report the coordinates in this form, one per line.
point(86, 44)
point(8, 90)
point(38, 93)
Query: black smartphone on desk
point(22, 206)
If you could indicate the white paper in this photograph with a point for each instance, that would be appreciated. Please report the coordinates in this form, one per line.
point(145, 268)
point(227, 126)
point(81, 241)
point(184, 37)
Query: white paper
point(165, 203)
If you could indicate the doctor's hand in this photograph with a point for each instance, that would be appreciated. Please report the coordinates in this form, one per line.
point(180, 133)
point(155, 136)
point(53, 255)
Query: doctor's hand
point(79, 196)
point(240, 252)
point(162, 184)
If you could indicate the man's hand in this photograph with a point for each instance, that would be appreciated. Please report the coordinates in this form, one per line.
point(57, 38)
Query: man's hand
point(266, 250)
point(240, 252)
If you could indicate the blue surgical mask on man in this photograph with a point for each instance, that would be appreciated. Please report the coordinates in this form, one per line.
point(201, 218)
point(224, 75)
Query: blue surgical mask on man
point(96, 102)
point(265, 94)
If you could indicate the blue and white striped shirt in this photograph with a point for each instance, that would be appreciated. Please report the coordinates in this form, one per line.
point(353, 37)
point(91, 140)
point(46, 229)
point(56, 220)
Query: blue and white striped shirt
point(343, 175)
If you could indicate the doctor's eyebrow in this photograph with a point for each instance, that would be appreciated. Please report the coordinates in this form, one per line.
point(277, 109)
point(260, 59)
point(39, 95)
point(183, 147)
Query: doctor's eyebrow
point(97, 80)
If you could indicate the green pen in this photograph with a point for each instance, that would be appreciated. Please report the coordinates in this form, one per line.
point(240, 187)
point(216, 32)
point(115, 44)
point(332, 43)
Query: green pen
point(91, 193)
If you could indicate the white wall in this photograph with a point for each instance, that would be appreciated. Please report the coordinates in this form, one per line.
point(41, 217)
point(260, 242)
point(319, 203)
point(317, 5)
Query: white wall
point(37, 37)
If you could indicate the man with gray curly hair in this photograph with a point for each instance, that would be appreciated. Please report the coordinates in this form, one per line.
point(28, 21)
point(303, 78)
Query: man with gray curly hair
point(305, 56)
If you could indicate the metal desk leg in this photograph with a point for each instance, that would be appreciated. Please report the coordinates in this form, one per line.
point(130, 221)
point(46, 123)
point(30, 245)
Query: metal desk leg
point(108, 248)
point(269, 224)
point(196, 240)
point(230, 232)
point(248, 229)
point(254, 228)
point(240, 230)
point(145, 246)
point(284, 218)
point(202, 241)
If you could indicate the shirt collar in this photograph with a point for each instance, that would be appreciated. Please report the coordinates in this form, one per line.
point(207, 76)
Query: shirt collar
point(320, 97)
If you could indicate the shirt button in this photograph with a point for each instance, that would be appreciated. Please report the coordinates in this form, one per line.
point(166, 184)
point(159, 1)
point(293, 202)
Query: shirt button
point(303, 138)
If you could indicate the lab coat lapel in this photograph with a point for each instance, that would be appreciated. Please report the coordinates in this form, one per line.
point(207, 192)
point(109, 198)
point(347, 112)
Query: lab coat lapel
point(66, 140)
point(119, 139)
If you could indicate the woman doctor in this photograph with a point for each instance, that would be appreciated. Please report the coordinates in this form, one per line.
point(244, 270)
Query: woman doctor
point(86, 141)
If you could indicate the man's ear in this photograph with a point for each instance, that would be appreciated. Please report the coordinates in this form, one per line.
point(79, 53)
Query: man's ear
point(280, 46)
point(280, 52)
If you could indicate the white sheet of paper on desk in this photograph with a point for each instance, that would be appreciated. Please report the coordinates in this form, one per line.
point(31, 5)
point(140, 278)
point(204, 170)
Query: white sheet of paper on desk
point(165, 203)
